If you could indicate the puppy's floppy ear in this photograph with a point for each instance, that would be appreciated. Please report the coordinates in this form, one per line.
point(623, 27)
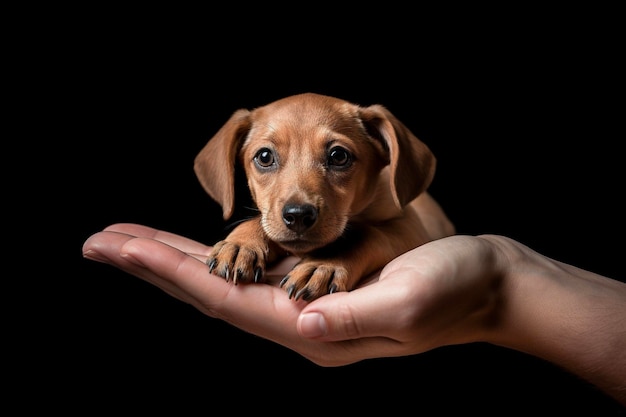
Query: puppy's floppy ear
point(215, 164)
point(411, 162)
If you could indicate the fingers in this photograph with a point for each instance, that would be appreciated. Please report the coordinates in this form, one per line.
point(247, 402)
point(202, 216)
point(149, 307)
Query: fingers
point(199, 250)
point(157, 262)
point(107, 247)
point(177, 271)
point(182, 243)
point(261, 309)
point(435, 294)
point(382, 309)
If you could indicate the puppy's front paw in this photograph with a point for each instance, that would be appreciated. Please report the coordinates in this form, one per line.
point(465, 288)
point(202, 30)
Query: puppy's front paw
point(312, 279)
point(237, 262)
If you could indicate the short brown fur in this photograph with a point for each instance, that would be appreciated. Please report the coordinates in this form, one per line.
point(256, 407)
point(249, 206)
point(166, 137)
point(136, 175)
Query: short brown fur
point(339, 185)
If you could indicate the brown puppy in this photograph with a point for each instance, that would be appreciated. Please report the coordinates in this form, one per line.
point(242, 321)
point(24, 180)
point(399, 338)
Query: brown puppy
point(339, 185)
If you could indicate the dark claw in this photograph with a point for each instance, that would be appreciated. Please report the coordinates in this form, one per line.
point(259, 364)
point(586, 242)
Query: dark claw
point(304, 293)
point(258, 275)
point(282, 281)
point(211, 263)
point(237, 275)
point(332, 288)
point(290, 290)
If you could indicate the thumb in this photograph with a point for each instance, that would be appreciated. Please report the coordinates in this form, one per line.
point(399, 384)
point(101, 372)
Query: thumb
point(364, 312)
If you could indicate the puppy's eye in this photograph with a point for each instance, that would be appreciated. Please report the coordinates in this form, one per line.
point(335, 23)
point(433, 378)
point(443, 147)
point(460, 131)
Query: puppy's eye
point(339, 157)
point(264, 158)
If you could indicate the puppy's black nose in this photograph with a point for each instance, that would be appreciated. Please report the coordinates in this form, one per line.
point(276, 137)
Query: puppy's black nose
point(299, 217)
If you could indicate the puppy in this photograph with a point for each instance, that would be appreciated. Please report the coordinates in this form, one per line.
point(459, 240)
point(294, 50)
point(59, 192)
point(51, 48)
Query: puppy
point(341, 186)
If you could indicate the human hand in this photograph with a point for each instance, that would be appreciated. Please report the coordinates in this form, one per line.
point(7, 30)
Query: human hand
point(455, 290)
point(419, 301)
point(177, 266)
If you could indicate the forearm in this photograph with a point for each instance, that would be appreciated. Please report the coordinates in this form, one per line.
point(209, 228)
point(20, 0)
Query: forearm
point(568, 316)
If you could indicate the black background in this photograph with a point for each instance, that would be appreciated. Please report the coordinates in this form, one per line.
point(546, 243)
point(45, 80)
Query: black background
point(528, 135)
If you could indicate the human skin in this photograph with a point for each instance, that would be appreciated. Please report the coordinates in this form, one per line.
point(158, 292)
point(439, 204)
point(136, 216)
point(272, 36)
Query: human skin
point(456, 290)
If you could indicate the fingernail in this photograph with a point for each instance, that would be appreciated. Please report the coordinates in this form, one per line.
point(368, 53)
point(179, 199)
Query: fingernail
point(312, 325)
point(130, 258)
point(94, 256)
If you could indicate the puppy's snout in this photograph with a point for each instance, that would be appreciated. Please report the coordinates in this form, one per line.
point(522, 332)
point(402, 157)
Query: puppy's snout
point(299, 217)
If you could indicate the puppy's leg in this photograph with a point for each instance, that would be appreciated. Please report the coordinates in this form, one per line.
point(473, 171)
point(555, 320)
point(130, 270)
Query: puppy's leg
point(243, 255)
point(434, 219)
point(364, 250)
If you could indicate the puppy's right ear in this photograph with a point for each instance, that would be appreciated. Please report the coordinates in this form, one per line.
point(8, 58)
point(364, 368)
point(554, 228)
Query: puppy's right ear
point(411, 162)
point(215, 164)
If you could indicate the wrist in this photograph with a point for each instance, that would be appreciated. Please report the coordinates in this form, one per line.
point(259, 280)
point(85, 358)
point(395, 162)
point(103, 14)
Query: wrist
point(560, 313)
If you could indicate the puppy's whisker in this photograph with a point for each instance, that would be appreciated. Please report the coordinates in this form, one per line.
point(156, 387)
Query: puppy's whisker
point(234, 224)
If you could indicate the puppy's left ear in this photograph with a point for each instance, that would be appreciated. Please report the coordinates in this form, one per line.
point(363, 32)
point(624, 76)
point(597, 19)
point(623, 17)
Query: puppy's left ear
point(411, 162)
point(215, 164)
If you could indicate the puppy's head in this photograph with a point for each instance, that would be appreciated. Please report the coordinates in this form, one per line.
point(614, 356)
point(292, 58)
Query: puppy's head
point(314, 164)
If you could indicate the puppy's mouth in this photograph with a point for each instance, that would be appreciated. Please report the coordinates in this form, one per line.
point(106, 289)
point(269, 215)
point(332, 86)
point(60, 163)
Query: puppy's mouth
point(299, 246)
point(295, 234)
point(301, 243)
